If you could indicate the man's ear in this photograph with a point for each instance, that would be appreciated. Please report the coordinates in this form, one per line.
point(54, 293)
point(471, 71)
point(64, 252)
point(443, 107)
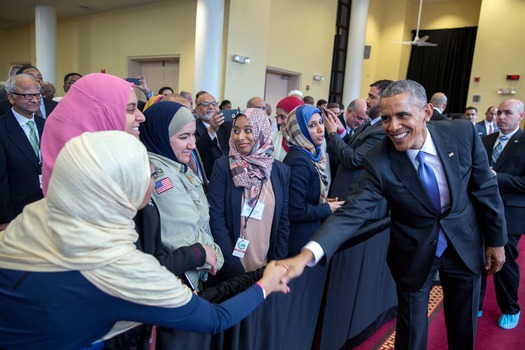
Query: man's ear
point(428, 110)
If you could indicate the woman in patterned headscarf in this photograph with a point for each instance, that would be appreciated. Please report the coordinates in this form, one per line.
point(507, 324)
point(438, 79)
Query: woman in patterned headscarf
point(248, 195)
point(309, 204)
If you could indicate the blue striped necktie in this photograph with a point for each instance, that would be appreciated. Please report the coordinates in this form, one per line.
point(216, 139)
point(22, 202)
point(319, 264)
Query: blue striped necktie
point(497, 150)
point(427, 176)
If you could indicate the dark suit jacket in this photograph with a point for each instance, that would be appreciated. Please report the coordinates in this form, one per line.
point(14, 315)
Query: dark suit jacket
point(305, 212)
point(415, 223)
point(510, 169)
point(225, 213)
point(438, 116)
point(19, 168)
point(208, 148)
point(350, 157)
point(49, 105)
point(482, 131)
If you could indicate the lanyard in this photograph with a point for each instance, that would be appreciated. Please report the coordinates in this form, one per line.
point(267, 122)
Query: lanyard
point(246, 218)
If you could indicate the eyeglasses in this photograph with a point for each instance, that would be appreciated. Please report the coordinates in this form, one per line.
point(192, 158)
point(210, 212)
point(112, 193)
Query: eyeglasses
point(29, 97)
point(206, 104)
point(70, 82)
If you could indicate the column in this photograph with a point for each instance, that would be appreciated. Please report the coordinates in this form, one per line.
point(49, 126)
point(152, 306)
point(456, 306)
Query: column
point(45, 37)
point(355, 51)
point(208, 45)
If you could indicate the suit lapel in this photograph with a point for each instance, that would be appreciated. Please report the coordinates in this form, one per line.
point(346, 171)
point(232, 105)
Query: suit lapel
point(405, 172)
point(448, 155)
point(513, 143)
point(19, 139)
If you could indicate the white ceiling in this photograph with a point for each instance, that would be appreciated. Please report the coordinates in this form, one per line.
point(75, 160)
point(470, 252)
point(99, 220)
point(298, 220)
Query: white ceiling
point(16, 13)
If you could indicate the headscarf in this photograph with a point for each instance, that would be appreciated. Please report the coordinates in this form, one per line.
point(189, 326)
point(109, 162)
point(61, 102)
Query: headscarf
point(86, 222)
point(152, 100)
point(254, 169)
point(298, 137)
point(163, 120)
point(96, 102)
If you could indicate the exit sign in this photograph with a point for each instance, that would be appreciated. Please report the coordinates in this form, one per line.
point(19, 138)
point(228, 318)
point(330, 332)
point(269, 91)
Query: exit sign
point(513, 77)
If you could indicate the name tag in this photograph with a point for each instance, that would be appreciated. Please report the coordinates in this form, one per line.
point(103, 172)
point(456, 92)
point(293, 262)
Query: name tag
point(256, 213)
point(240, 247)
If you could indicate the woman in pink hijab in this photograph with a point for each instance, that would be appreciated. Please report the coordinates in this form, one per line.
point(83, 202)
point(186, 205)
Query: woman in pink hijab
point(96, 102)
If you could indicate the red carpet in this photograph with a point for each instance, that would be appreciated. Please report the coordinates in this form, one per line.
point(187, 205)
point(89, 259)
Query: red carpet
point(488, 336)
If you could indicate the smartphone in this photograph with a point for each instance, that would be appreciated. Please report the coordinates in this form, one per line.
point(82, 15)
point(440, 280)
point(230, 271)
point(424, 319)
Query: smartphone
point(135, 81)
point(229, 114)
point(186, 280)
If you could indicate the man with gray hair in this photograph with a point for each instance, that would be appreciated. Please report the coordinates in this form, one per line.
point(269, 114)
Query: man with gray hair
point(20, 157)
point(446, 215)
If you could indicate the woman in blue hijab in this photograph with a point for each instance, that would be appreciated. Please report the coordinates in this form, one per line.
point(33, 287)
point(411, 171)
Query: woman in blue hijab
point(308, 204)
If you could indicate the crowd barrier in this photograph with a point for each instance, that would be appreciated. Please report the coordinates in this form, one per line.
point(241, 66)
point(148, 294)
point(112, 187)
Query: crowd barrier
point(331, 306)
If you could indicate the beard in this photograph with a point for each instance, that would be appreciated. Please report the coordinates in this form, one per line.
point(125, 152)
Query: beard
point(374, 112)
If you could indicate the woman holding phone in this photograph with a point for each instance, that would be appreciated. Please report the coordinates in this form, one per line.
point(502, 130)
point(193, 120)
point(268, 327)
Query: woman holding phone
point(309, 204)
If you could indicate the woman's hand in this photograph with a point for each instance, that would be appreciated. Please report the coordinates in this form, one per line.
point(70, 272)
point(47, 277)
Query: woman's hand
point(272, 279)
point(334, 203)
point(211, 258)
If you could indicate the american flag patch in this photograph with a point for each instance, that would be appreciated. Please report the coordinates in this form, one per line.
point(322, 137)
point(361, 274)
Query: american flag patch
point(163, 185)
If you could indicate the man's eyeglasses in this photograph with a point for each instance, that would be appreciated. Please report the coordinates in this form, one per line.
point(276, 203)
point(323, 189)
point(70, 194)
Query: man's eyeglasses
point(29, 97)
point(207, 104)
point(70, 82)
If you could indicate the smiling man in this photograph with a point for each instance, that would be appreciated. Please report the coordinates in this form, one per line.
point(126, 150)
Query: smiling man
point(441, 191)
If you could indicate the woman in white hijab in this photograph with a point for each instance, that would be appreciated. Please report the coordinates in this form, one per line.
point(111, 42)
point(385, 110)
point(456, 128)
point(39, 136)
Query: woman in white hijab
point(69, 268)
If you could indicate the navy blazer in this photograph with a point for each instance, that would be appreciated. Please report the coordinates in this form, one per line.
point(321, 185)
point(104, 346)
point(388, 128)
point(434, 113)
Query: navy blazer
point(350, 157)
point(211, 150)
point(510, 169)
point(20, 168)
point(225, 213)
point(415, 223)
point(305, 212)
point(482, 130)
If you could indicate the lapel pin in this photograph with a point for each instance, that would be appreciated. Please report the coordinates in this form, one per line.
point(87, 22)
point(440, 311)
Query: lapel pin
point(451, 154)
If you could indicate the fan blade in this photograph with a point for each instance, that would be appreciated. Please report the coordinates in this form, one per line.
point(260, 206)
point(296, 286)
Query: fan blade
point(424, 38)
point(423, 43)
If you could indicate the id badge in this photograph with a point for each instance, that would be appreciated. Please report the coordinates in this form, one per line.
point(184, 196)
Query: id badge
point(240, 247)
point(256, 213)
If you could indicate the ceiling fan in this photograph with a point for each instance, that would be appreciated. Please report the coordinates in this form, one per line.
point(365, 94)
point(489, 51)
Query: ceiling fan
point(417, 40)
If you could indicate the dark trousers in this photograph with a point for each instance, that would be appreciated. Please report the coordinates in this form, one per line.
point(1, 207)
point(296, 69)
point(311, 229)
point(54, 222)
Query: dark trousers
point(507, 280)
point(461, 298)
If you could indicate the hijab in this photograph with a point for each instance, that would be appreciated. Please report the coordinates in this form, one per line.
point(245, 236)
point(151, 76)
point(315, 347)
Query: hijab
point(152, 100)
point(163, 120)
point(96, 102)
point(298, 137)
point(252, 170)
point(86, 222)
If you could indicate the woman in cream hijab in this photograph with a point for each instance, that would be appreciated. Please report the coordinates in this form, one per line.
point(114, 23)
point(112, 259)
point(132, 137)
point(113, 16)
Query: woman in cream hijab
point(69, 268)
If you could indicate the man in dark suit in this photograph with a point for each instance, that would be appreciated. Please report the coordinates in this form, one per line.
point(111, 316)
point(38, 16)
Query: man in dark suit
point(46, 105)
point(489, 125)
point(20, 161)
point(212, 133)
point(439, 101)
point(354, 117)
point(445, 206)
point(350, 155)
point(506, 153)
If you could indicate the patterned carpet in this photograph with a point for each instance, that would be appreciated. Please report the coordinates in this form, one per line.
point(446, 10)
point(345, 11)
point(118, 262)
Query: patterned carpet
point(434, 305)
